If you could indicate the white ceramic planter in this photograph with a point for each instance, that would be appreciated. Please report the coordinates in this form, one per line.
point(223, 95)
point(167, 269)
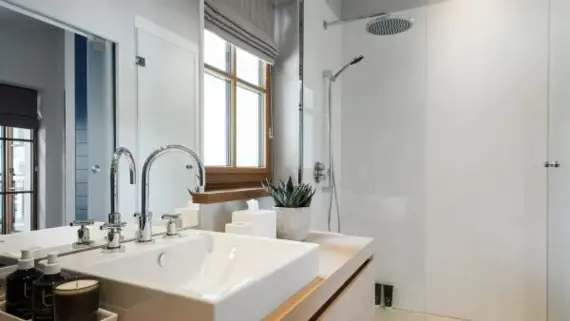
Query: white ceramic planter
point(293, 223)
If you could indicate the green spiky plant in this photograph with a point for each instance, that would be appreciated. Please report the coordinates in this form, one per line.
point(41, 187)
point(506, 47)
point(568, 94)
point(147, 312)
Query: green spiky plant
point(289, 195)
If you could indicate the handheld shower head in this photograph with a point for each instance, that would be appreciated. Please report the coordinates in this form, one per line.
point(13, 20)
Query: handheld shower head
point(341, 70)
point(357, 60)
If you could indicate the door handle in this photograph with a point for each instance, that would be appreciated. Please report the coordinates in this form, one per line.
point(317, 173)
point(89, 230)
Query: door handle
point(551, 164)
point(95, 169)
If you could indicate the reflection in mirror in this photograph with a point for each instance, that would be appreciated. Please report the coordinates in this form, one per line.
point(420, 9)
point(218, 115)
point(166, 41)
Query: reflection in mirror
point(57, 134)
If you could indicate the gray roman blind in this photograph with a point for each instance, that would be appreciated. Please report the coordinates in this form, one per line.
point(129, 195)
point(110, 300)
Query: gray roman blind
point(18, 107)
point(248, 24)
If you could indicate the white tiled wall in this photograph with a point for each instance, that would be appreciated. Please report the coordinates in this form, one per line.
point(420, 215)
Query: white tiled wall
point(443, 137)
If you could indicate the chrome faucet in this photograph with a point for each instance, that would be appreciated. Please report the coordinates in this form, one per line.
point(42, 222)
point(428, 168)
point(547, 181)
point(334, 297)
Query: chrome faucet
point(115, 216)
point(145, 217)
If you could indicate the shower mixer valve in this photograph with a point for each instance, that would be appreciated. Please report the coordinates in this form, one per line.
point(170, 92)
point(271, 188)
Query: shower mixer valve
point(319, 172)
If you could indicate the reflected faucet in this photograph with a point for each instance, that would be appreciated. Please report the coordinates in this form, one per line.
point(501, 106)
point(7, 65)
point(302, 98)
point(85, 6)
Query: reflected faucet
point(115, 216)
point(145, 217)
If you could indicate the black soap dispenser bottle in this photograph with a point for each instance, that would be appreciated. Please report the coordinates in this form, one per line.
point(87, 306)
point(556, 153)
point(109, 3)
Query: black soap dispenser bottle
point(43, 290)
point(19, 287)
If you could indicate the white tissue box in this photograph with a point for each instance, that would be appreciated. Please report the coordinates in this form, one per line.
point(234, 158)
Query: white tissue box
point(264, 223)
point(239, 228)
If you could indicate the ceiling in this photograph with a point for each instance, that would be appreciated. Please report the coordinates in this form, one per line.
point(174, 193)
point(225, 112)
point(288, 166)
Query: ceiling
point(9, 18)
point(351, 8)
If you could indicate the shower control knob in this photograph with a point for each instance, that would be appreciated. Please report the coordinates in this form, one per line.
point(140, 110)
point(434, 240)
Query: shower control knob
point(319, 172)
point(551, 164)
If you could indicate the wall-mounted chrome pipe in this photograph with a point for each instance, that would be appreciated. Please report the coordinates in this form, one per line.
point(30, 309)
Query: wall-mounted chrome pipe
point(327, 24)
point(301, 88)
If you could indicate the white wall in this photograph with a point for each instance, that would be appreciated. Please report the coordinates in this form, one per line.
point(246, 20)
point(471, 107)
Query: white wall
point(323, 51)
point(444, 135)
point(33, 57)
point(114, 20)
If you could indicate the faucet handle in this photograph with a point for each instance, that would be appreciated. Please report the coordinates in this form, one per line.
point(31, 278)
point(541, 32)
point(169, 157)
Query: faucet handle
point(171, 229)
point(82, 223)
point(171, 216)
point(83, 237)
point(139, 214)
point(114, 234)
point(113, 226)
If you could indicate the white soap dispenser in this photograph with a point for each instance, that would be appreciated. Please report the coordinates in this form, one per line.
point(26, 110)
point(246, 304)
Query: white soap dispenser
point(264, 223)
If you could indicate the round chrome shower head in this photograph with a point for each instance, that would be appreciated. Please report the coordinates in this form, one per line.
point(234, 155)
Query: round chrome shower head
point(388, 25)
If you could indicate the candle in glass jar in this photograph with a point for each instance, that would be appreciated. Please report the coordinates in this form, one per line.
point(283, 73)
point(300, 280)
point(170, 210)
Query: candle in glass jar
point(76, 300)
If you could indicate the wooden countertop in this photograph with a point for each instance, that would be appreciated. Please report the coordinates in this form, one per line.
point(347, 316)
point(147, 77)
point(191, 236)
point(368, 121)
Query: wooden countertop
point(340, 256)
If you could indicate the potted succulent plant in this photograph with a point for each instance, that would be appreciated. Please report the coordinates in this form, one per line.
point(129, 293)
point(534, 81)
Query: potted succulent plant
point(292, 204)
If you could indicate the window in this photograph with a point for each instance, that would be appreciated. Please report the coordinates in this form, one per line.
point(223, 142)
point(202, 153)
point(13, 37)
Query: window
point(18, 180)
point(237, 100)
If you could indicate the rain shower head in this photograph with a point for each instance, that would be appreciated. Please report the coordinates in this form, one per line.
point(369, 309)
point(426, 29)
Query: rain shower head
point(383, 24)
point(388, 25)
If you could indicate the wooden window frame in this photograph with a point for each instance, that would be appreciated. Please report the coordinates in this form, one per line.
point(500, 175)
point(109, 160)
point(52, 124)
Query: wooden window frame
point(233, 177)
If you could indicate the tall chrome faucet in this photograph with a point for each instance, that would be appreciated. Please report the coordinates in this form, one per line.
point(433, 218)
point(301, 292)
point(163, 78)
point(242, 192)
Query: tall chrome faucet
point(115, 216)
point(145, 217)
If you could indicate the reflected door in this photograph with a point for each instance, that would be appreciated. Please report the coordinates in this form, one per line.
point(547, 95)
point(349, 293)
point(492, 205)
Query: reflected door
point(100, 126)
point(18, 191)
point(170, 81)
point(94, 125)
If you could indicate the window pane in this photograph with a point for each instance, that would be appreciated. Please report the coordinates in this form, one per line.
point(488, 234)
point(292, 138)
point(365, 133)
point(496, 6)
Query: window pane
point(1, 166)
point(22, 212)
point(22, 166)
point(215, 51)
point(216, 98)
point(22, 133)
point(248, 67)
point(250, 126)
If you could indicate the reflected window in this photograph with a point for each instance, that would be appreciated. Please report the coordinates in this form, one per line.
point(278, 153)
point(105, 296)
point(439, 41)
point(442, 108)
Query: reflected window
point(18, 192)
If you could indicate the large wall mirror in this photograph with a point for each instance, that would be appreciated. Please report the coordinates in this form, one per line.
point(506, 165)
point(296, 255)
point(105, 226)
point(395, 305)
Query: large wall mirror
point(57, 123)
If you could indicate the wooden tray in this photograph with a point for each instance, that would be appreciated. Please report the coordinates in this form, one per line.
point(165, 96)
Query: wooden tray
point(104, 315)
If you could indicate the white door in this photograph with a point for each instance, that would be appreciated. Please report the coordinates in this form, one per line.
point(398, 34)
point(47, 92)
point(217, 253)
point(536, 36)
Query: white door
point(559, 177)
point(168, 112)
point(100, 126)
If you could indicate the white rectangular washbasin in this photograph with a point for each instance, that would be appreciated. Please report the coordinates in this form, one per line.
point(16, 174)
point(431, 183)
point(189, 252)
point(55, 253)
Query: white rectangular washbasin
point(233, 277)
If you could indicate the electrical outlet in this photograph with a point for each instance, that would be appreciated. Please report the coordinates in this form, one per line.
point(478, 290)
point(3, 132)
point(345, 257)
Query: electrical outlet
point(378, 294)
point(388, 291)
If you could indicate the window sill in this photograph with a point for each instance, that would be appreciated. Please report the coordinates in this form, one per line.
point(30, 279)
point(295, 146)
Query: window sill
point(227, 195)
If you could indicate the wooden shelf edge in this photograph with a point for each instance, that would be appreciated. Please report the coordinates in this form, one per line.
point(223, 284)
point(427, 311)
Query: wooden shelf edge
point(227, 195)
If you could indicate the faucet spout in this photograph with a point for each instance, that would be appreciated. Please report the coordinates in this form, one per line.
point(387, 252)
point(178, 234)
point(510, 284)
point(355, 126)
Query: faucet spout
point(145, 217)
point(122, 151)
